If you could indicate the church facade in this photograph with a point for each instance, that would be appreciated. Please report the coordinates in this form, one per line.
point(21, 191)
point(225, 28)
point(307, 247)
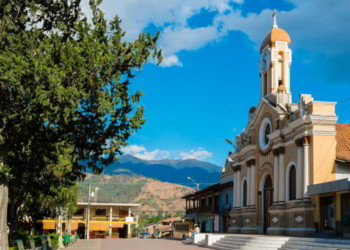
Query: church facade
point(292, 162)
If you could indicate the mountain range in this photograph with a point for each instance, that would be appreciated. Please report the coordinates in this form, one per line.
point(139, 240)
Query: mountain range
point(173, 171)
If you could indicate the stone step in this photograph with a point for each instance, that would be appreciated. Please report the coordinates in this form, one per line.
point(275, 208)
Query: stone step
point(258, 238)
point(248, 245)
point(188, 241)
point(252, 243)
point(260, 241)
point(321, 240)
point(201, 243)
point(315, 245)
point(223, 248)
point(306, 248)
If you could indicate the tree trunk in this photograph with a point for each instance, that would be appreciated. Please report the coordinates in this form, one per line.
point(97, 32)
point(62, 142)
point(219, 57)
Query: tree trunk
point(3, 216)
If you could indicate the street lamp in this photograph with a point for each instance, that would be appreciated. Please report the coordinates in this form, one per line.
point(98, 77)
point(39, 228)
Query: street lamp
point(91, 195)
point(197, 184)
point(230, 142)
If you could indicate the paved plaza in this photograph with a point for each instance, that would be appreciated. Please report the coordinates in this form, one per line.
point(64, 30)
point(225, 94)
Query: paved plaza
point(131, 244)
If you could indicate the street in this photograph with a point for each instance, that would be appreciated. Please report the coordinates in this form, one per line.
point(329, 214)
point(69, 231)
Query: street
point(131, 244)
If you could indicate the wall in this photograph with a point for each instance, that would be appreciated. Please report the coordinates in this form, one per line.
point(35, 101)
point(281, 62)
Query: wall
point(229, 192)
point(323, 158)
point(343, 171)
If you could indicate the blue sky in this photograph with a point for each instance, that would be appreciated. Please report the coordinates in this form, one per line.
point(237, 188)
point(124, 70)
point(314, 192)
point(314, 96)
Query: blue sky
point(209, 79)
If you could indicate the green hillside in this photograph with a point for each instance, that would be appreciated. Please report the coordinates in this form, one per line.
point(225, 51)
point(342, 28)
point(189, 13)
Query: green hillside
point(153, 195)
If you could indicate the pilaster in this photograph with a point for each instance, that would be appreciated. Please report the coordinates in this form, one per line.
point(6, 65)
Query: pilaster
point(306, 166)
point(275, 176)
point(299, 187)
point(281, 188)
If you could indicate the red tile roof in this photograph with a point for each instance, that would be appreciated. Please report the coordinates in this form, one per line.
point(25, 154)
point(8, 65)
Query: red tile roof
point(171, 219)
point(343, 142)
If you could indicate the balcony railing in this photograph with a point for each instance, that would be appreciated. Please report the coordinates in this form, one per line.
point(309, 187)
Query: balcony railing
point(205, 209)
point(99, 218)
point(191, 210)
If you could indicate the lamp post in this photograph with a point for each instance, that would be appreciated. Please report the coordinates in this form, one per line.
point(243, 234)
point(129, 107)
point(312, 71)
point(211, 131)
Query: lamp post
point(91, 195)
point(230, 142)
point(197, 184)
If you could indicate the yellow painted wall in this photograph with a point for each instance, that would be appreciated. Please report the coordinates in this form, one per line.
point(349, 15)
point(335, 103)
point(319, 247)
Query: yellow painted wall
point(324, 108)
point(323, 158)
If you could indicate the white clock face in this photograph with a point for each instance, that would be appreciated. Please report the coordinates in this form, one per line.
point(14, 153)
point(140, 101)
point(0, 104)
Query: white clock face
point(265, 130)
point(265, 62)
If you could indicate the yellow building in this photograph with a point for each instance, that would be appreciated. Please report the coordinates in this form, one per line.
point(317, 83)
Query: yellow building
point(292, 165)
point(101, 220)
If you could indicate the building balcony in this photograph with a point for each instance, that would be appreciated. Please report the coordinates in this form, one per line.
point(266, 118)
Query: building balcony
point(205, 209)
point(191, 210)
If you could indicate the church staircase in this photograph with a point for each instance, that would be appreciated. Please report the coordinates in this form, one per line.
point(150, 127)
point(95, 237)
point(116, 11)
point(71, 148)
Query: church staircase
point(279, 243)
point(249, 242)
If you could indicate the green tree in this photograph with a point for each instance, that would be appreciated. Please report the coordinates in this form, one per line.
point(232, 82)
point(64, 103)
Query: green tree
point(64, 84)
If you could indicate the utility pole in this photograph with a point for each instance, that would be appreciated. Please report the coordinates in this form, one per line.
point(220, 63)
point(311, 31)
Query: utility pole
point(88, 215)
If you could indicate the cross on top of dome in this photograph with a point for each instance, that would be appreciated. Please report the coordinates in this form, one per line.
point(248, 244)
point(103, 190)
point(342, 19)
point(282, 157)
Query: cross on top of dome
point(274, 15)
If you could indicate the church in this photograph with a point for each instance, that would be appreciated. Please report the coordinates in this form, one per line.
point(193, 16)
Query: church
point(291, 168)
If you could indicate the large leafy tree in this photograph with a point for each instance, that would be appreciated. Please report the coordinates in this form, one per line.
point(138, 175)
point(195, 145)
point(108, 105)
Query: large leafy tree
point(64, 84)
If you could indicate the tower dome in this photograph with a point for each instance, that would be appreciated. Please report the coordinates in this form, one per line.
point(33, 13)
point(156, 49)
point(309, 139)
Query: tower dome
point(276, 34)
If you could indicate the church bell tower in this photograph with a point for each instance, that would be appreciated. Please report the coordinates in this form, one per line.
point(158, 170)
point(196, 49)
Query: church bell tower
point(275, 65)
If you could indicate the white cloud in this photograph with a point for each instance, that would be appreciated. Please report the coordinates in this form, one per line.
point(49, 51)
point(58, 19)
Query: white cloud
point(179, 39)
point(153, 155)
point(199, 154)
point(169, 61)
point(142, 153)
point(133, 149)
point(136, 15)
point(314, 25)
point(318, 26)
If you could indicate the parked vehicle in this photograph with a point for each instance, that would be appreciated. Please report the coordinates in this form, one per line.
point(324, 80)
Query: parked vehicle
point(144, 235)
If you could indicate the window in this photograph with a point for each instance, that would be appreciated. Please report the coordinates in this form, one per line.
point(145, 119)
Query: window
point(80, 211)
point(210, 201)
point(245, 193)
point(226, 199)
point(182, 227)
point(292, 183)
point(267, 132)
point(202, 202)
point(216, 201)
point(100, 212)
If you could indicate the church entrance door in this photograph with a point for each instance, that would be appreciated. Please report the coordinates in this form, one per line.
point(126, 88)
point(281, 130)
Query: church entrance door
point(268, 194)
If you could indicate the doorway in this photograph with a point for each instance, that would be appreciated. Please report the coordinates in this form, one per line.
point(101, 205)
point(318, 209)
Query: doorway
point(328, 224)
point(345, 215)
point(267, 202)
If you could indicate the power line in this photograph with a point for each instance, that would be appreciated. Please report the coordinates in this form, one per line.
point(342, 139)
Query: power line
point(345, 100)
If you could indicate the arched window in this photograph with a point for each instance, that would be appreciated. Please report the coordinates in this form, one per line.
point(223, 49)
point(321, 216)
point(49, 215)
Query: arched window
point(292, 183)
point(245, 193)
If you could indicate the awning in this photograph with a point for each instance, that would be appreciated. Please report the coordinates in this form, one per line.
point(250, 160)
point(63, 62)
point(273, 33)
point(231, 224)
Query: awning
point(329, 187)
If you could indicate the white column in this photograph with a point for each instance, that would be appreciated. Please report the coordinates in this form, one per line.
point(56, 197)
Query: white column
point(88, 223)
point(282, 184)
point(275, 176)
point(129, 226)
point(299, 169)
point(249, 183)
point(285, 72)
point(306, 166)
point(238, 187)
point(234, 190)
point(253, 186)
point(110, 220)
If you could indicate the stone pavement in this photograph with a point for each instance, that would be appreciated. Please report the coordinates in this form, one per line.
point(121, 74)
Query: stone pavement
point(131, 244)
